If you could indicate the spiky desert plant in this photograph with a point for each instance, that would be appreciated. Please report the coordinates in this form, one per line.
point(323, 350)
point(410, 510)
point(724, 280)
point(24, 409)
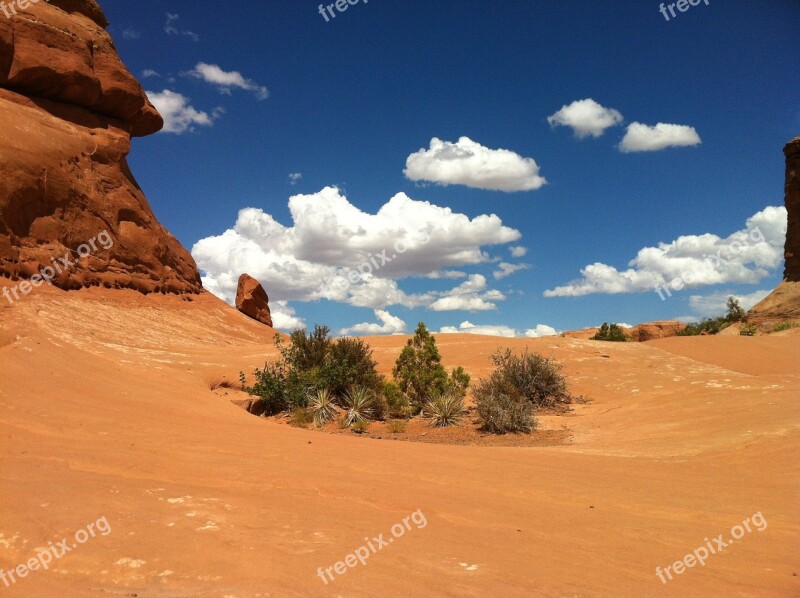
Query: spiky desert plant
point(359, 402)
point(445, 409)
point(322, 407)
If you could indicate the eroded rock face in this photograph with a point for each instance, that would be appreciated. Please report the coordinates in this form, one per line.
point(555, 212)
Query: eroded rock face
point(792, 152)
point(68, 110)
point(252, 299)
point(783, 304)
point(654, 330)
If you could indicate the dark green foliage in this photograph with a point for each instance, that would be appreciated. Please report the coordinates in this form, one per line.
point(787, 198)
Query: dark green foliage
point(503, 409)
point(312, 362)
point(735, 311)
point(419, 371)
point(610, 332)
point(396, 402)
point(707, 326)
point(533, 376)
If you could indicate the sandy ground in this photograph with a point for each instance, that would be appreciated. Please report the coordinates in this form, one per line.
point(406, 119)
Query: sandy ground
point(106, 411)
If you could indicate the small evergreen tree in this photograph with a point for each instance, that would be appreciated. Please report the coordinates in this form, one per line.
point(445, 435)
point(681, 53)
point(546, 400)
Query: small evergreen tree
point(735, 311)
point(610, 332)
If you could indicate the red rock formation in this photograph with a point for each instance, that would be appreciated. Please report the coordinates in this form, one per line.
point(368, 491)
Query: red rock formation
point(792, 190)
point(68, 110)
point(654, 330)
point(783, 304)
point(252, 299)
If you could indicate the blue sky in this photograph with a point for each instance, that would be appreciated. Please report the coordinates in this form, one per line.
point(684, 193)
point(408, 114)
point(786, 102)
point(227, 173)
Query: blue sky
point(351, 99)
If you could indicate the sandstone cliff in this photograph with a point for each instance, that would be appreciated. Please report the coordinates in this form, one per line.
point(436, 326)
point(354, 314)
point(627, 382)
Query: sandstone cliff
point(68, 110)
point(783, 304)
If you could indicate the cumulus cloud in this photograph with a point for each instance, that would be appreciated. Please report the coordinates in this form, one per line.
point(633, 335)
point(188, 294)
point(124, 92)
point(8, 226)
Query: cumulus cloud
point(294, 177)
point(468, 327)
point(746, 256)
point(225, 80)
point(505, 269)
point(715, 304)
point(171, 28)
point(541, 330)
point(518, 251)
point(468, 163)
point(389, 325)
point(471, 295)
point(335, 251)
point(585, 117)
point(179, 116)
point(643, 138)
point(284, 317)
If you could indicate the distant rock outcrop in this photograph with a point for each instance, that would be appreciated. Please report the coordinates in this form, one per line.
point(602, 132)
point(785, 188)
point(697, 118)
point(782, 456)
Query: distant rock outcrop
point(68, 110)
point(783, 304)
point(654, 330)
point(252, 300)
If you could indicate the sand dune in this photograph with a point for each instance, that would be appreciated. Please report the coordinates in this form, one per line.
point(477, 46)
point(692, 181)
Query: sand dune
point(107, 412)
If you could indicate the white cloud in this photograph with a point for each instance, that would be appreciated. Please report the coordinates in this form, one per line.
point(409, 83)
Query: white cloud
point(468, 327)
point(469, 163)
point(294, 177)
point(541, 330)
point(715, 304)
point(518, 251)
point(150, 73)
point(170, 28)
point(131, 34)
point(389, 325)
point(331, 240)
point(225, 80)
point(446, 274)
point(643, 138)
point(507, 269)
point(470, 295)
point(283, 316)
point(179, 116)
point(585, 117)
point(746, 256)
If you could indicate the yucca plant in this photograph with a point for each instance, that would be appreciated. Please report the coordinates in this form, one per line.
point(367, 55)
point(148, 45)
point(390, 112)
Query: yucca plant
point(322, 407)
point(445, 409)
point(359, 402)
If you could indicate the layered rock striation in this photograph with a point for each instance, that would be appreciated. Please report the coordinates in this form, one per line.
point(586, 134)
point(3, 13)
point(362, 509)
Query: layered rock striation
point(68, 111)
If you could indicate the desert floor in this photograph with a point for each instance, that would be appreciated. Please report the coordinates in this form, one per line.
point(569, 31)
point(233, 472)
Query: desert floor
point(107, 410)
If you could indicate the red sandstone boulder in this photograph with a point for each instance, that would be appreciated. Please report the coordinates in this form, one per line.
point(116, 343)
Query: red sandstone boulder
point(252, 299)
point(654, 330)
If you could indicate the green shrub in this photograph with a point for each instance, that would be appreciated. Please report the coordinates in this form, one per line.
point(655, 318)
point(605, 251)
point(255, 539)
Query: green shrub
point(748, 330)
point(784, 326)
point(396, 402)
point(610, 332)
point(300, 417)
point(534, 377)
point(311, 362)
point(445, 409)
point(360, 404)
point(735, 312)
point(322, 407)
point(707, 326)
point(397, 426)
point(502, 408)
point(361, 427)
point(419, 371)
